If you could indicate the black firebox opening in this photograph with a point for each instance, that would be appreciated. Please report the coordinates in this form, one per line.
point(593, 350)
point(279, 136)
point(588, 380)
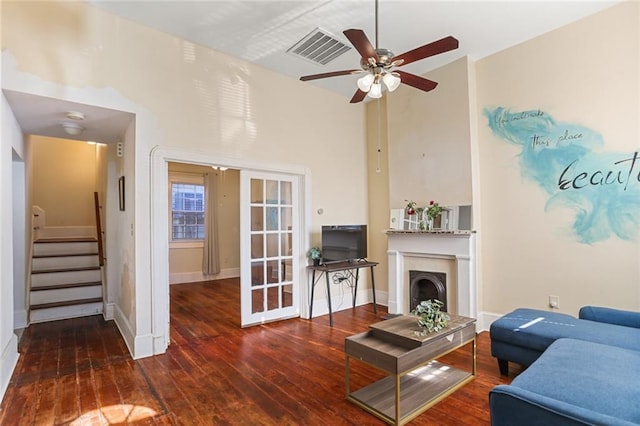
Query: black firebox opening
point(425, 285)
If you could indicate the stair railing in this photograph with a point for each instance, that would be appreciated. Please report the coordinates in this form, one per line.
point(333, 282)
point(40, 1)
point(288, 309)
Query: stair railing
point(99, 229)
point(37, 221)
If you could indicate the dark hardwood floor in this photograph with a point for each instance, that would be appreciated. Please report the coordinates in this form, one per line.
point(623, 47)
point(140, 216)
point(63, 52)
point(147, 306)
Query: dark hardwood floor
point(79, 371)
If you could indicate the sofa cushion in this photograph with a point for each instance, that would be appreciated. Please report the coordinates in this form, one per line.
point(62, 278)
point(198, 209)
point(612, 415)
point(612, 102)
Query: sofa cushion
point(576, 382)
point(536, 329)
point(610, 315)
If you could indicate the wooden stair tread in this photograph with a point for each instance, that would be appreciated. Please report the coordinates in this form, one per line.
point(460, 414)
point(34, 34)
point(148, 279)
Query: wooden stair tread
point(67, 240)
point(84, 268)
point(63, 286)
point(44, 256)
point(66, 303)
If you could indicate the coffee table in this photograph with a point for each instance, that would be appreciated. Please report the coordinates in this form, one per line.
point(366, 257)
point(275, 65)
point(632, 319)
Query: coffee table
point(416, 380)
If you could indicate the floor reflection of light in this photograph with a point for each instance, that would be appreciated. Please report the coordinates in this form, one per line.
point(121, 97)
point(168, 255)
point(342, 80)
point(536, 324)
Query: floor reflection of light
point(114, 414)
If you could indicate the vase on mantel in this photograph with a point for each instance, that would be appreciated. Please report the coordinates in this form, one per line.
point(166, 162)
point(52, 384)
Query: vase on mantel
point(425, 223)
point(429, 223)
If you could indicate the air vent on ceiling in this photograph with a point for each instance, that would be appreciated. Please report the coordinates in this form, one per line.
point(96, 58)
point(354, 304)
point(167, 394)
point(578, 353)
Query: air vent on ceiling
point(319, 46)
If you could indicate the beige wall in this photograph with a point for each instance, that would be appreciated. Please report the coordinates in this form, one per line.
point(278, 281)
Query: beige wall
point(425, 152)
point(64, 180)
point(429, 140)
point(378, 176)
point(187, 262)
point(586, 73)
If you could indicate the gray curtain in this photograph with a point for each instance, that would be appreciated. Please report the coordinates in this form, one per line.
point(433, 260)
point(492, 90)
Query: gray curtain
point(211, 257)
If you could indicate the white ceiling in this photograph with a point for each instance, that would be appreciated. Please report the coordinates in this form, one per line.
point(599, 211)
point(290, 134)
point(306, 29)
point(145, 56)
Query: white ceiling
point(38, 115)
point(262, 31)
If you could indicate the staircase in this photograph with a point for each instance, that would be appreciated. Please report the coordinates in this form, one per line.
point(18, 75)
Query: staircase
point(66, 279)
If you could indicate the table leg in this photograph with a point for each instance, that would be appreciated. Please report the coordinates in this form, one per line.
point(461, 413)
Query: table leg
point(355, 289)
point(397, 399)
point(313, 285)
point(326, 274)
point(475, 351)
point(373, 290)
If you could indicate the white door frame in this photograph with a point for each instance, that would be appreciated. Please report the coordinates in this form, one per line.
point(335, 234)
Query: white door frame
point(159, 235)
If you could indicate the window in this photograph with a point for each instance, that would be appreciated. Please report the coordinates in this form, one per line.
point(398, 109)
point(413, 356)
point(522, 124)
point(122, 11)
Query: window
point(187, 211)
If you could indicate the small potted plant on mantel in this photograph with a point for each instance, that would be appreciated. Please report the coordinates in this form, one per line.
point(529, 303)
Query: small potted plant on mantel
point(432, 211)
point(315, 254)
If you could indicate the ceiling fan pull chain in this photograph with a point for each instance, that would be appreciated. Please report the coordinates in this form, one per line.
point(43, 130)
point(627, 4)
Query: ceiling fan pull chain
point(377, 24)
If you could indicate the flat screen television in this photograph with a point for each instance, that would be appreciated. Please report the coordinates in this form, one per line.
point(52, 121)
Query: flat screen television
point(344, 243)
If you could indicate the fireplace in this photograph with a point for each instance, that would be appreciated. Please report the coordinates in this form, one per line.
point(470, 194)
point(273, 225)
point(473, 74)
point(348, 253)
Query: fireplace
point(427, 285)
point(449, 252)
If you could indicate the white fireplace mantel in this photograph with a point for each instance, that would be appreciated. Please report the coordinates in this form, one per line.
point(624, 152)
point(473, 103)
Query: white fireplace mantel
point(459, 246)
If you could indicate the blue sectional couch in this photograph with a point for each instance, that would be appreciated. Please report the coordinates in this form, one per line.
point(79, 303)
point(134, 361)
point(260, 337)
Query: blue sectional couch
point(583, 370)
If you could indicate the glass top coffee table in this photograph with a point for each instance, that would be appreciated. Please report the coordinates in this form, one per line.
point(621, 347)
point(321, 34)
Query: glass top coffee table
point(416, 380)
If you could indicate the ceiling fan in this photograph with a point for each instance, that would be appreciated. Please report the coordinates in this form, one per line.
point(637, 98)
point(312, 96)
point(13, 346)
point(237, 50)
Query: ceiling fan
point(379, 64)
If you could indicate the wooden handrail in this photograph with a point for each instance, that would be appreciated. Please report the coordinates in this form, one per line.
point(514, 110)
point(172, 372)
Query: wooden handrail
point(99, 229)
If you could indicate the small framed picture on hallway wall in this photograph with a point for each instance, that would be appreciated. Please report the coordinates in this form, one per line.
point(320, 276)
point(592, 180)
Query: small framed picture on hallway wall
point(121, 192)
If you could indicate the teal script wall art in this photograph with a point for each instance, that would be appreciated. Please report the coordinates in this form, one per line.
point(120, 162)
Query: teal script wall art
point(569, 163)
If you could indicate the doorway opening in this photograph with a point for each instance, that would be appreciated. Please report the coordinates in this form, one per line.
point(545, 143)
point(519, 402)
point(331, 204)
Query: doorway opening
point(160, 159)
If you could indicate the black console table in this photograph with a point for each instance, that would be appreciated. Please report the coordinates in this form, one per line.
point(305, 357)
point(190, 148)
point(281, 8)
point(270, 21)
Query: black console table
point(351, 269)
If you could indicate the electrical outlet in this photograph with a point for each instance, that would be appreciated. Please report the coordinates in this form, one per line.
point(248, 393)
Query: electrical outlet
point(554, 302)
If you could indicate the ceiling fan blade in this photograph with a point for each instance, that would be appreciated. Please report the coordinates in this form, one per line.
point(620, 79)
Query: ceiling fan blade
point(443, 45)
point(416, 81)
point(328, 74)
point(358, 96)
point(362, 44)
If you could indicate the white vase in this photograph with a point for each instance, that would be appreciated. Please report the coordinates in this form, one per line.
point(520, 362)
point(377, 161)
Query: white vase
point(429, 223)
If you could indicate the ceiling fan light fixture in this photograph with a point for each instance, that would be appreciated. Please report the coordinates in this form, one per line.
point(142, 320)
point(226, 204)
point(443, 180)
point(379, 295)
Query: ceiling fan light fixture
point(72, 128)
point(391, 80)
point(377, 64)
point(376, 90)
point(365, 82)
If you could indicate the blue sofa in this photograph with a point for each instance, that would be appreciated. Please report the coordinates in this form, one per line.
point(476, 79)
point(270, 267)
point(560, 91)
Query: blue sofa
point(524, 334)
point(583, 370)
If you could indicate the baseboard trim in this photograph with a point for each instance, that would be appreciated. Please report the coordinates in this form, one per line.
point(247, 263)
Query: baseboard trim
point(8, 363)
point(485, 319)
point(108, 311)
point(341, 300)
point(20, 319)
point(144, 346)
point(197, 276)
point(139, 346)
point(125, 328)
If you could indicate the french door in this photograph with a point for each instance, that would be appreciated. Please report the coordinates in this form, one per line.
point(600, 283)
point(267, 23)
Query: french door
point(269, 221)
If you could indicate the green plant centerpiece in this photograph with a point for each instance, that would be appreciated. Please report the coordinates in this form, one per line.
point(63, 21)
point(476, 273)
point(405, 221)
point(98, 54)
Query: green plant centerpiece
point(430, 318)
point(315, 254)
point(433, 210)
